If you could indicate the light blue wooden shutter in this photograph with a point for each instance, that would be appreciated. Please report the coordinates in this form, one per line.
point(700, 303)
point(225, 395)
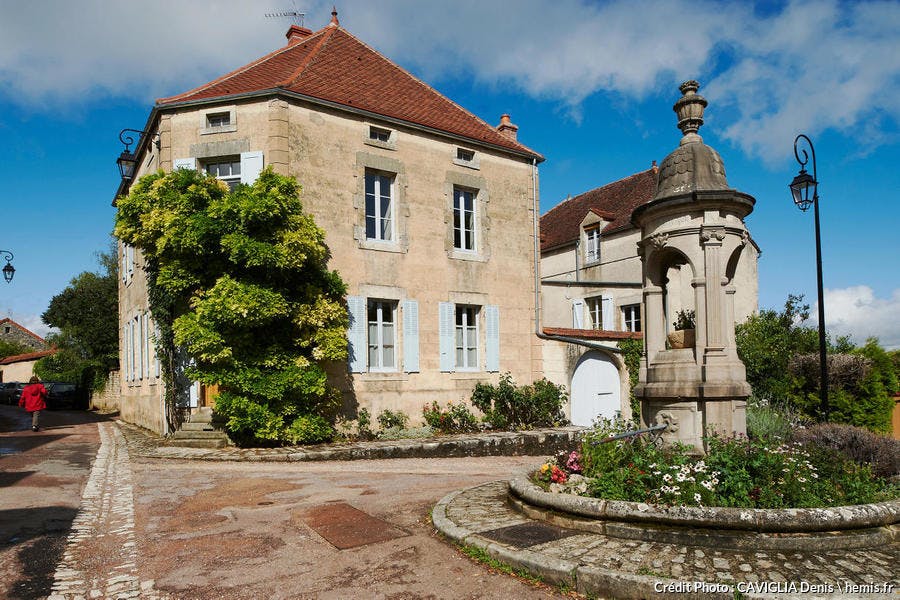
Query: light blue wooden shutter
point(356, 306)
point(184, 163)
point(492, 339)
point(411, 336)
point(446, 322)
point(578, 314)
point(606, 305)
point(251, 166)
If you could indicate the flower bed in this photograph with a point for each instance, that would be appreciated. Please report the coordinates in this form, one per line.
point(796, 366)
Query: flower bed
point(736, 472)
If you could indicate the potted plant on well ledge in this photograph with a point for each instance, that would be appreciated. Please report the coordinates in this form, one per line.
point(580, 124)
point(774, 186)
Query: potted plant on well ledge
point(683, 336)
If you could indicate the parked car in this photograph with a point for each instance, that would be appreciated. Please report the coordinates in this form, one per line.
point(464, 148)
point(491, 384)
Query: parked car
point(62, 395)
point(11, 391)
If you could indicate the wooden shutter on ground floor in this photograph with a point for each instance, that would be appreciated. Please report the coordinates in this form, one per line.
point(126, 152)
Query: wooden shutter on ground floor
point(446, 327)
point(410, 336)
point(492, 338)
point(356, 334)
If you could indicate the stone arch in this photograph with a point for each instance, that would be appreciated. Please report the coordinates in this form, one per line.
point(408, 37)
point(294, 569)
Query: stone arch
point(672, 271)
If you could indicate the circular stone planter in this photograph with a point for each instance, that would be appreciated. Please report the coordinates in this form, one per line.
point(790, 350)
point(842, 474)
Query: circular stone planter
point(860, 526)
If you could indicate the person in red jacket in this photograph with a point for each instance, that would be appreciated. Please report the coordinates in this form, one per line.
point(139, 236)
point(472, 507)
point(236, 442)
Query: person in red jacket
point(34, 398)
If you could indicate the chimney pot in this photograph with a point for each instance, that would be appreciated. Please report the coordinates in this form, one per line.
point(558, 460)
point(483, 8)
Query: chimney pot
point(507, 128)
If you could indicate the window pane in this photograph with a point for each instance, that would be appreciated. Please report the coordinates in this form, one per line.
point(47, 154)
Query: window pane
point(386, 233)
point(472, 358)
point(471, 337)
point(388, 357)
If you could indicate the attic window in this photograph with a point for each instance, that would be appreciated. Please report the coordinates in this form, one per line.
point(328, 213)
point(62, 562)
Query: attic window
point(592, 244)
point(379, 135)
point(222, 119)
point(7, 329)
point(466, 158)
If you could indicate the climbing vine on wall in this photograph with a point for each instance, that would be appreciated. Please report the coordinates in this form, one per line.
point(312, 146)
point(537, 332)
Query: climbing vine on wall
point(242, 296)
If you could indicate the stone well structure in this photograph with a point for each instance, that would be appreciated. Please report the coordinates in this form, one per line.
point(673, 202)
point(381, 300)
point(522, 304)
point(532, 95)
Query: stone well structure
point(692, 239)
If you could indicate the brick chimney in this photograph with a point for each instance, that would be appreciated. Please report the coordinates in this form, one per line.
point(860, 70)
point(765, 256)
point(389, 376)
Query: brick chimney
point(297, 34)
point(506, 128)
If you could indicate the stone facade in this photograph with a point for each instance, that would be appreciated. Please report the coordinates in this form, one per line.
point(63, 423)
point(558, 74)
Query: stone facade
point(10, 331)
point(417, 275)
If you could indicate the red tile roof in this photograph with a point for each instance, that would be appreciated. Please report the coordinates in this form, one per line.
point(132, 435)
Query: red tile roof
point(614, 202)
point(28, 331)
point(15, 358)
point(334, 66)
point(593, 334)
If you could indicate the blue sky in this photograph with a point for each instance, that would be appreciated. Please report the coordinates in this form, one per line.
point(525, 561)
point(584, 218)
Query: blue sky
point(590, 84)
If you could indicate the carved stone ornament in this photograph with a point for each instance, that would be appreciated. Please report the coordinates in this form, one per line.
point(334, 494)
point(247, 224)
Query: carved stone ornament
point(668, 419)
point(707, 235)
point(745, 237)
point(658, 240)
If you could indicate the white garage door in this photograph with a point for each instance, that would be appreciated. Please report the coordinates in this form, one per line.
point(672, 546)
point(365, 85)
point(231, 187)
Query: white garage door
point(596, 389)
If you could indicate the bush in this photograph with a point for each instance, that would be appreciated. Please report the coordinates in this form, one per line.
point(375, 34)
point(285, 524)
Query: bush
point(309, 429)
point(736, 472)
point(857, 444)
point(772, 422)
point(455, 418)
point(388, 419)
point(506, 406)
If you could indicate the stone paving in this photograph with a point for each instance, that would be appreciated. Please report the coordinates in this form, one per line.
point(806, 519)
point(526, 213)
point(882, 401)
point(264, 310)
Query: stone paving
point(594, 564)
point(608, 566)
point(106, 516)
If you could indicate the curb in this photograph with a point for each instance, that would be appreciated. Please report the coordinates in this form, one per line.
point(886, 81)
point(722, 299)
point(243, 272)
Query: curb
point(535, 442)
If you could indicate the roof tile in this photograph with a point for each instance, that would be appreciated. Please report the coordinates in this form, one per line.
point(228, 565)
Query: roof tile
point(613, 202)
point(334, 66)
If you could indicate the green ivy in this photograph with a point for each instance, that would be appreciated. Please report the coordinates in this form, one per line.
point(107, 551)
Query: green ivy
point(240, 291)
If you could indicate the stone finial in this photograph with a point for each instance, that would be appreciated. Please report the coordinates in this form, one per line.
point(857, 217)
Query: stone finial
point(689, 109)
point(334, 19)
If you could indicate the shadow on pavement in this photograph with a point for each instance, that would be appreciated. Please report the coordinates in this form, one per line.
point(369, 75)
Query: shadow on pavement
point(37, 536)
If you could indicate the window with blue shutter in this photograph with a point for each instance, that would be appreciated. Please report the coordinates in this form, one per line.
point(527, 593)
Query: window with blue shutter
point(411, 336)
point(356, 334)
point(446, 320)
point(251, 166)
point(578, 314)
point(492, 338)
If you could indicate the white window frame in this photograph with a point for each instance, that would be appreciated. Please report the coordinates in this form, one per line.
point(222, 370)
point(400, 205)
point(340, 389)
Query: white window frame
point(218, 120)
point(460, 228)
point(594, 308)
point(381, 307)
point(461, 347)
point(232, 180)
point(381, 233)
point(629, 319)
point(466, 157)
point(591, 244)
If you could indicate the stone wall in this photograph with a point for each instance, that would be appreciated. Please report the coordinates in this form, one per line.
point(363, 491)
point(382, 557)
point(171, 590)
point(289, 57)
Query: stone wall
point(108, 399)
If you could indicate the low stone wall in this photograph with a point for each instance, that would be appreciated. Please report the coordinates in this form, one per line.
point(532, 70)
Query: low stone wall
point(865, 525)
point(108, 399)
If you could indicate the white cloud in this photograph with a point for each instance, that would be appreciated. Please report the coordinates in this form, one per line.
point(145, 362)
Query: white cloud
point(813, 65)
point(855, 311)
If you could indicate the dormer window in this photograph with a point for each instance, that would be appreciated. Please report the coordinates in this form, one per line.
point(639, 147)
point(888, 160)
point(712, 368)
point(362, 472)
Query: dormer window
point(379, 135)
point(222, 119)
point(592, 244)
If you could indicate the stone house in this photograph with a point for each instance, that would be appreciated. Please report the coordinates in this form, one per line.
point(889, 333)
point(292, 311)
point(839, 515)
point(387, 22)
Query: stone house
point(592, 291)
point(20, 367)
point(429, 214)
point(10, 331)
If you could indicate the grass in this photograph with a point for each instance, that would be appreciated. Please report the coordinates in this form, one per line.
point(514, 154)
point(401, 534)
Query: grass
point(480, 555)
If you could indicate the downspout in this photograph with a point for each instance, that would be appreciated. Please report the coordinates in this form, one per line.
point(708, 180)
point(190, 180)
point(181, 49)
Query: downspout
point(537, 277)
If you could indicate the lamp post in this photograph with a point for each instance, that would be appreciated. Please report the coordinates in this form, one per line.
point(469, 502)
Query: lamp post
point(802, 187)
point(127, 160)
point(8, 270)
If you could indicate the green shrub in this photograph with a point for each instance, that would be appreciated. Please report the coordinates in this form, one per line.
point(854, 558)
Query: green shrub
point(309, 429)
point(631, 354)
point(507, 406)
point(388, 419)
point(455, 418)
point(772, 422)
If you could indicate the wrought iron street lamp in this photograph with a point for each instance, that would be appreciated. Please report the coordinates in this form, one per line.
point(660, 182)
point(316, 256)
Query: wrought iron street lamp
point(804, 189)
point(127, 160)
point(8, 270)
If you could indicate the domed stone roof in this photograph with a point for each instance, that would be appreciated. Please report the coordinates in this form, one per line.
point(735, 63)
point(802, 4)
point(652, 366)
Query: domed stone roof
point(693, 166)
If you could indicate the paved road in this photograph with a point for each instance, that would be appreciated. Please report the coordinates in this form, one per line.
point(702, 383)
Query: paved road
point(128, 527)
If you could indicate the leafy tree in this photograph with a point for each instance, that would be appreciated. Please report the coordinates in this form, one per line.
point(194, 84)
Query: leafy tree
point(239, 285)
point(86, 314)
point(11, 348)
point(767, 341)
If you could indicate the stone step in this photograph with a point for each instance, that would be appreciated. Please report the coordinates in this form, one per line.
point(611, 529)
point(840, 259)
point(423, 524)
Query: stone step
point(189, 426)
point(181, 434)
point(199, 443)
point(203, 415)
